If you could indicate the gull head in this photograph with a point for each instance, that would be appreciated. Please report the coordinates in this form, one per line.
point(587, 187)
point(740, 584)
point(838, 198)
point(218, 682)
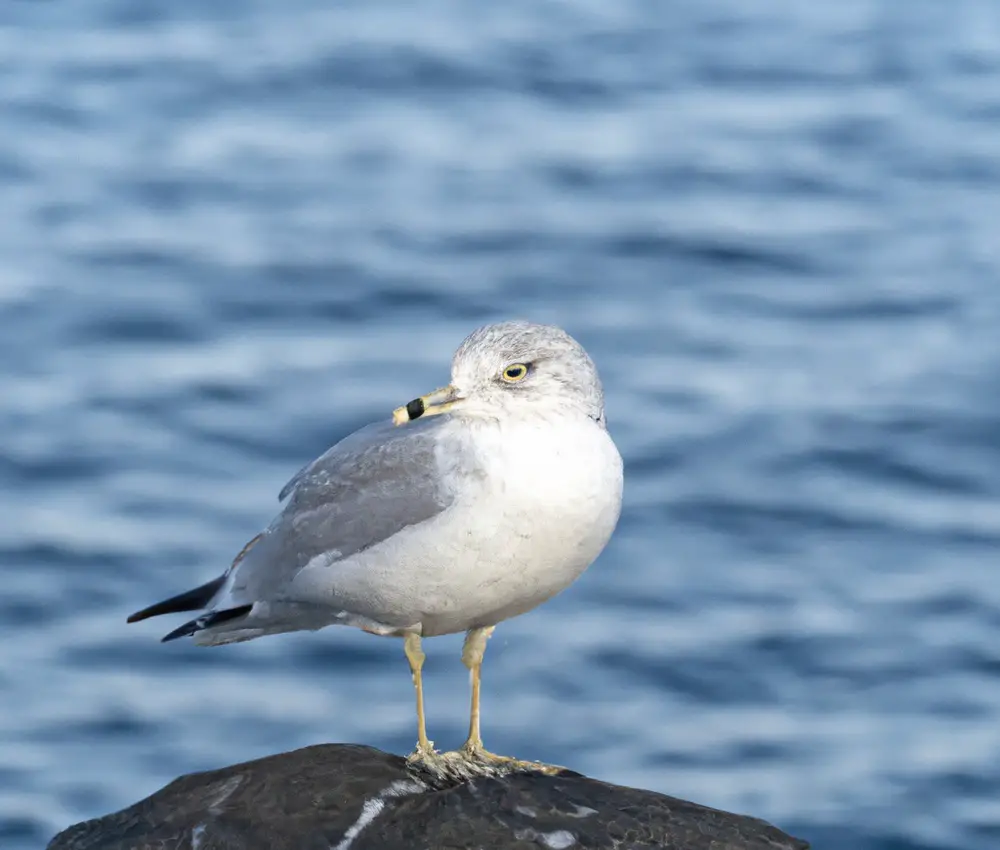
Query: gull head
point(515, 369)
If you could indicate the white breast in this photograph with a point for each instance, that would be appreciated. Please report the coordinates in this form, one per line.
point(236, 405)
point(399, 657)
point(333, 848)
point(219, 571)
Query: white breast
point(568, 471)
point(545, 506)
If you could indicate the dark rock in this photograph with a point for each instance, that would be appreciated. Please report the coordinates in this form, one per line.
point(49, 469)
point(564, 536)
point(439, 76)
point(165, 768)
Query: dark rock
point(336, 796)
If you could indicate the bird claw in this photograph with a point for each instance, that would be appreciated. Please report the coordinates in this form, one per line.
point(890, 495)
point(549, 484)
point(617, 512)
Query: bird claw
point(457, 766)
point(423, 753)
point(502, 765)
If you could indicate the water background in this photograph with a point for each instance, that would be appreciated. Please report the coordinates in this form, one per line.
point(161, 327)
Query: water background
point(234, 231)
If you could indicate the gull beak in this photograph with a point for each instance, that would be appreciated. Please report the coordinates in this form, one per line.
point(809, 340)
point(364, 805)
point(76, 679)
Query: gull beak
point(439, 401)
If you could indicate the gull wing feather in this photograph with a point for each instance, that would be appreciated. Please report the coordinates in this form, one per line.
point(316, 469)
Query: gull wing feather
point(368, 487)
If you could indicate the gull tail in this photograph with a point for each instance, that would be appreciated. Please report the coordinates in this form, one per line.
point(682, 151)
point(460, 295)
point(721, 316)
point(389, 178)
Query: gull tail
point(207, 621)
point(192, 600)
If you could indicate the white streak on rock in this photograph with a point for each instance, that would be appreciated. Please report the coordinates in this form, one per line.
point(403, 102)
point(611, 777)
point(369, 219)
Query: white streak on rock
point(581, 812)
point(527, 811)
point(373, 808)
point(558, 840)
point(213, 802)
point(196, 836)
point(223, 793)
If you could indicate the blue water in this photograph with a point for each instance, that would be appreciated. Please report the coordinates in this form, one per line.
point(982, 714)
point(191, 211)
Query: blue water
point(234, 231)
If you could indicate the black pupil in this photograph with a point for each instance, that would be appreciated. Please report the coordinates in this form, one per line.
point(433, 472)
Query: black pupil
point(515, 371)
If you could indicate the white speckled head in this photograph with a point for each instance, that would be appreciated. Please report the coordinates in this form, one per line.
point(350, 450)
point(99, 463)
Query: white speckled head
point(520, 367)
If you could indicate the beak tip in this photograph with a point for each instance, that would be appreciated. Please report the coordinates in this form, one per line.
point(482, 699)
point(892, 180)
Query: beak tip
point(438, 401)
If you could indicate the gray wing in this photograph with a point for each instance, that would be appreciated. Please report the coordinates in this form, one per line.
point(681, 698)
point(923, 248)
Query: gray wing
point(372, 484)
point(371, 436)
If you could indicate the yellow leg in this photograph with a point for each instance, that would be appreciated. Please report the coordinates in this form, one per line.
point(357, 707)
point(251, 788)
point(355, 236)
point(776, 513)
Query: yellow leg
point(473, 749)
point(415, 655)
point(472, 657)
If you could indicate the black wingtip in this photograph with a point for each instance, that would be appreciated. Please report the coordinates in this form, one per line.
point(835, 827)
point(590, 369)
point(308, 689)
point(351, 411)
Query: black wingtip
point(188, 628)
point(191, 600)
point(212, 618)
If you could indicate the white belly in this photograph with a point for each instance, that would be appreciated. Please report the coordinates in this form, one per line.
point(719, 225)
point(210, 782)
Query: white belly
point(540, 510)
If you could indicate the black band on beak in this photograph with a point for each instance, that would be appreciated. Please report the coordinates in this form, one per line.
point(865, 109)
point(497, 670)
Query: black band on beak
point(415, 408)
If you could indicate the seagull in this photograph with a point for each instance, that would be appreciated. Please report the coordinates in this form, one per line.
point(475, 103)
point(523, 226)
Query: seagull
point(473, 504)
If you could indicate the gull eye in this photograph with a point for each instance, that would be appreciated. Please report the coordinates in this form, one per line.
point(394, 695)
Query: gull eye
point(514, 373)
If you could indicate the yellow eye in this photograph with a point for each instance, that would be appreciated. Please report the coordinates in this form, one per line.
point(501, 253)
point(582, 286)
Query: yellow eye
point(515, 372)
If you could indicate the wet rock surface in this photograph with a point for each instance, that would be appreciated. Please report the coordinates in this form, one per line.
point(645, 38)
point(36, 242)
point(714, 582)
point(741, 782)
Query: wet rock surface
point(348, 797)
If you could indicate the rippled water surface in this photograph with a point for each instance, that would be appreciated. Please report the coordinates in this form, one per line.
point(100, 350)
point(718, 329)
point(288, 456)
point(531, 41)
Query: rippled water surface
point(232, 232)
